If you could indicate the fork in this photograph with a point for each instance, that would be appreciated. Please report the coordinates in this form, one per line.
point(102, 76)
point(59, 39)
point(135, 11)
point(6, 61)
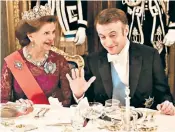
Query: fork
point(37, 115)
point(46, 110)
point(152, 117)
point(146, 117)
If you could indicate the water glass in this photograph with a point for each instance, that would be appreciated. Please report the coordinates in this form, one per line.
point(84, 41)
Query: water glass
point(112, 109)
point(77, 120)
point(112, 103)
point(94, 111)
point(73, 109)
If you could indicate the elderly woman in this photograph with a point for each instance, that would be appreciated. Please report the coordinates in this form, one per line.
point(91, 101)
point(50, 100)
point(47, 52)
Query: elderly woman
point(34, 73)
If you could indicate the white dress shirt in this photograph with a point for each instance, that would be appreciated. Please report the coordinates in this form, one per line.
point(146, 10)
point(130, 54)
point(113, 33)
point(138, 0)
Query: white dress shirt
point(121, 63)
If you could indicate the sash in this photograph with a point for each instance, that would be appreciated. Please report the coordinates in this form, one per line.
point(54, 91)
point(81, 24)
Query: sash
point(25, 79)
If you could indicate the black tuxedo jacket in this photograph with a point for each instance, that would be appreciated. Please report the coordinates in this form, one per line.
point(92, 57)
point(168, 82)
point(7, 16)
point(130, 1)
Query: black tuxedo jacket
point(146, 76)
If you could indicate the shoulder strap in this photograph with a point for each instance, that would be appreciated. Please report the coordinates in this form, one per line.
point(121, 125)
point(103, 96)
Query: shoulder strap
point(25, 79)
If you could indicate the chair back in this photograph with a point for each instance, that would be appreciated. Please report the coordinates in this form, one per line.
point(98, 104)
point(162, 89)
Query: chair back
point(75, 61)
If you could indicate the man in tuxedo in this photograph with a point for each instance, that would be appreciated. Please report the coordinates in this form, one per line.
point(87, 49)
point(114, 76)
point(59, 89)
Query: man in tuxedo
point(122, 64)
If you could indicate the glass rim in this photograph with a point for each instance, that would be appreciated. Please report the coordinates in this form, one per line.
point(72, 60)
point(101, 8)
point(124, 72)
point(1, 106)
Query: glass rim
point(112, 100)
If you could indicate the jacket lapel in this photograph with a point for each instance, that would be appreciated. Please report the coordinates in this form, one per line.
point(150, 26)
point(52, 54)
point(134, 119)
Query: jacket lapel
point(135, 64)
point(105, 72)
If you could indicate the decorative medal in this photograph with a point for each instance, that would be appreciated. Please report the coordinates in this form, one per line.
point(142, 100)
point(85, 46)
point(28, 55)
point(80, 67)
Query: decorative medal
point(49, 67)
point(149, 102)
point(18, 65)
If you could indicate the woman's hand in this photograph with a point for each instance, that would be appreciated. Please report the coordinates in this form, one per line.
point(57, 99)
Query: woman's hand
point(26, 103)
point(166, 108)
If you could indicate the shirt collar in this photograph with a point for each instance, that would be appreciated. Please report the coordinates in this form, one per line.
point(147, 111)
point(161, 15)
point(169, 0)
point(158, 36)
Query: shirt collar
point(121, 56)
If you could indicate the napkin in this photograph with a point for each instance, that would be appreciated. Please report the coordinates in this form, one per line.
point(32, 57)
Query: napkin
point(54, 102)
point(83, 104)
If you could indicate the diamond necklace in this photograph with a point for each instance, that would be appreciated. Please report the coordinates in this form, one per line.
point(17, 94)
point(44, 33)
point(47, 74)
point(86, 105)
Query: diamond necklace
point(28, 57)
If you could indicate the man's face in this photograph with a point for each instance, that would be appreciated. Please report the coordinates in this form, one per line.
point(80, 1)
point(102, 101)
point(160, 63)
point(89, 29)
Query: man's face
point(113, 36)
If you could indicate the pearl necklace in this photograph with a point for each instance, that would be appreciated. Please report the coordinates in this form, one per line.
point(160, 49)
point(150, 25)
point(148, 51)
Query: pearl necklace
point(28, 57)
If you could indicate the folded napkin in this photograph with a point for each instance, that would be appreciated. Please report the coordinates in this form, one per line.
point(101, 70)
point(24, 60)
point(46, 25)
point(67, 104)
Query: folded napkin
point(54, 102)
point(83, 104)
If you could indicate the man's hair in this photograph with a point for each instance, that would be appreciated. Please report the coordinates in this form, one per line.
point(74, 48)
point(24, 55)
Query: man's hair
point(111, 15)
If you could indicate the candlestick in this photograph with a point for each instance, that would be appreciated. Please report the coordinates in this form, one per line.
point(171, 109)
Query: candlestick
point(127, 109)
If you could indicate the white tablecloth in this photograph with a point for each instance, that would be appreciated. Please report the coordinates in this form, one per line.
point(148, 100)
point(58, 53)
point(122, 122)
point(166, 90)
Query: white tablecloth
point(165, 123)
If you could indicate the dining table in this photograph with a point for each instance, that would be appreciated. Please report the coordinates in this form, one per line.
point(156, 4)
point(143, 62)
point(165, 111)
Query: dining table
point(58, 119)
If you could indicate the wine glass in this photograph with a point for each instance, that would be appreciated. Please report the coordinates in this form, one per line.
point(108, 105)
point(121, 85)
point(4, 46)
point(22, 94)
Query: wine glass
point(112, 109)
point(112, 103)
point(77, 120)
point(93, 112)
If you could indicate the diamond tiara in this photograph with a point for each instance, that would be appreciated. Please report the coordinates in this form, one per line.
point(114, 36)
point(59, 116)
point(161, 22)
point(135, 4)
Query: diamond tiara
point(36, 12)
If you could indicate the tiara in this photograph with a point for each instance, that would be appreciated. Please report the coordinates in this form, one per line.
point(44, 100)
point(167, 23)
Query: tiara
point(36, 12)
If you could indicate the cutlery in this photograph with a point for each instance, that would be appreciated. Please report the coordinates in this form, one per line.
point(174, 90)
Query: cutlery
point(59, 124)
point(146, 117)
point(37, 115)
point(152, 117)
point(46, 110)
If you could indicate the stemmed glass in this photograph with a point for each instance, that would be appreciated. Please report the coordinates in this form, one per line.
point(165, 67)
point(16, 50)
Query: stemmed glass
point(94, 111)
point(77, 120)
point(112, 114)
point(112, 109)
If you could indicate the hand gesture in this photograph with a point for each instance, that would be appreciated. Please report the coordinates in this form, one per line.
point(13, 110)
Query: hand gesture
point(77, 82)
point(166, 108)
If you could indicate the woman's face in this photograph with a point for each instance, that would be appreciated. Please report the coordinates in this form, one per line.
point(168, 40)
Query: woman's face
point(44, 37)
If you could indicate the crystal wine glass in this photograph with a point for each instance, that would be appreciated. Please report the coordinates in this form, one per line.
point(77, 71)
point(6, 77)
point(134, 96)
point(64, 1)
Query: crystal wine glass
point(94, 111)
point(77, 120)
point(112, 109)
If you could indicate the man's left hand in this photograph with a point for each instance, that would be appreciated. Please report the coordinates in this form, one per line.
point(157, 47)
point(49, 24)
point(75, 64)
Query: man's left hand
point(166, 108)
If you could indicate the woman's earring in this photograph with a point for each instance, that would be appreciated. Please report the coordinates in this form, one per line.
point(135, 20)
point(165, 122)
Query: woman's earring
point(33, 44)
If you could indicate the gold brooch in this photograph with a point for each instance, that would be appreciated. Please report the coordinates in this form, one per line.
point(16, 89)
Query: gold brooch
point(18, 65)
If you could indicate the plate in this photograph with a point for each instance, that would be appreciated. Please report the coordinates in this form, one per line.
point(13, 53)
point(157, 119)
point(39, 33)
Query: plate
point(118, 114)
point(144, 110)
